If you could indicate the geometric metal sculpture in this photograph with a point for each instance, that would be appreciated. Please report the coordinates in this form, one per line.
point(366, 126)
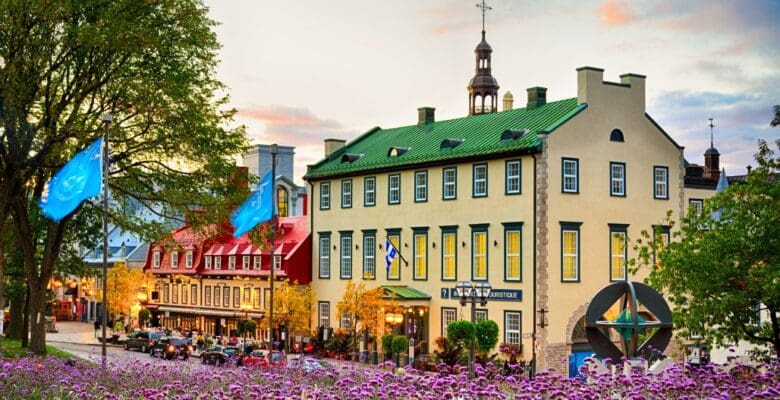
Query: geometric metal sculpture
point(628, 322)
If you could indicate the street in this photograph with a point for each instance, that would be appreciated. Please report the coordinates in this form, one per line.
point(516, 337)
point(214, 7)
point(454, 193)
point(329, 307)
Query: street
point(92, 352)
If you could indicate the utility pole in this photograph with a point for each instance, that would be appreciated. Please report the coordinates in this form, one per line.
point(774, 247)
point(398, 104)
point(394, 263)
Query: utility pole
point(106, 120)
point(274, 150)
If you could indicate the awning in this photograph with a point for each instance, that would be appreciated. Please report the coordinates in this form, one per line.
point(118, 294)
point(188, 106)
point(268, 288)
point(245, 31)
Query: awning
point(407, 295)
point(209, 312)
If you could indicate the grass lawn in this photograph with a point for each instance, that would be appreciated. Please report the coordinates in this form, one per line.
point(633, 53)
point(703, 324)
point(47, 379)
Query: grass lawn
point(13, 349)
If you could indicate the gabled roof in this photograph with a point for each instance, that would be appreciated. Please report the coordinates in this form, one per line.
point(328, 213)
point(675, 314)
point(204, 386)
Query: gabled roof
point(481, 135)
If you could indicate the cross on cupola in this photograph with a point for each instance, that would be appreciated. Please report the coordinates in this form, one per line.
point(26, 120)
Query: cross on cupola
point(483, 88)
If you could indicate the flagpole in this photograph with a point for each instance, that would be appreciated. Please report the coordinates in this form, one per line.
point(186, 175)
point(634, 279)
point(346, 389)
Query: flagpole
point(273, 241)
point(106, 120)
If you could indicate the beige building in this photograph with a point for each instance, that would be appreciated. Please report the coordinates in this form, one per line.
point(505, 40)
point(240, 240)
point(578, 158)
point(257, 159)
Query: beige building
point(538, 201)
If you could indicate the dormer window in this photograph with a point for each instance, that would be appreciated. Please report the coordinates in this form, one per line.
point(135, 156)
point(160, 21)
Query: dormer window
point(156, 259)
point(232, 262)
point(513, 134)
point(245, 264)
point(217, 262)
point(397, 151)
point(189, 259)
point(208, 262)
point(174, 259)
point(350, 158)
point(616, 136)
point(450, 143)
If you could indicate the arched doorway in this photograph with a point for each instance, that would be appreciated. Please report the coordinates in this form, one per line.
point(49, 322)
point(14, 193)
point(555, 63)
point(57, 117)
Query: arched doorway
point(580, 348)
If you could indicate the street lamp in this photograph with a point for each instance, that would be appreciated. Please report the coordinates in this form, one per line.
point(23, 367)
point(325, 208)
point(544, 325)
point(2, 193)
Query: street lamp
point(246, 308)
point(473, 293)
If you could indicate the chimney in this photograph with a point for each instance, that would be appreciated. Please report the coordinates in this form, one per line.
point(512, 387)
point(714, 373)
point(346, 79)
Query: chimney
point(509, 101)
point(425, 116)
point(589, 82)
point(331, 145)
point(637, 84)
point(537, 96)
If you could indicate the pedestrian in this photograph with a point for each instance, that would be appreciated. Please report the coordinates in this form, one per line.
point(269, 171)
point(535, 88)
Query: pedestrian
point(97, 327)
point(201, 341)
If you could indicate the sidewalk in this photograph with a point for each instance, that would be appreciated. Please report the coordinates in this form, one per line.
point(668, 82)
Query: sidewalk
point(76, 332)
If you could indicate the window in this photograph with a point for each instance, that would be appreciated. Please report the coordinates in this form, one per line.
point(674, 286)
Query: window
point(216, 296)
point(217, 262)
point(282, 201)
point(394, 189)
point(420, 254)
point(661, 180)
point(617, 251)
point(617, 179)
point(616, 135)
point(570, 251)
point(448, 316)
point(184, 294)
point(156, 259)
point(245, 262)
point(479, 253)
point(231, 262)
point(194, 294)
point(480, 315)
point(345, 322)
point(174, 259)
point(512, 246)
point(208, 262)
point(449, 258)
point(323, 309)
point(512, 327)
point(479, 183)
point(277, 262)
point(513, 177)
point(345, 270)
point(420, 186)
point(247, 295)
point(697, 205)
point(236, 297)
point(663, 233)
point(394, 272)
point(167, 293)
point(175, 290)
point(324, 255)
point(346, 193)
point(256, 299)
point(369, 191)
point(266, 297)
point(256, 262)
point(207, 295)
point(570, 177)
point(188, 259)
point(225, 297)
point(449, 186)
point(369, 251)
point(325, 196)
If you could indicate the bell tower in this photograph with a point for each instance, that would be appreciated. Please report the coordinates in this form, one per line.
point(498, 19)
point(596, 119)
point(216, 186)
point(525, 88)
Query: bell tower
point(483, 88)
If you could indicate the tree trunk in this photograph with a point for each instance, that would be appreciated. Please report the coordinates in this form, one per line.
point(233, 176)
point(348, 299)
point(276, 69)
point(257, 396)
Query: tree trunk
point(37, 302)
point(16, 325)
point(775, 331)
point(26, 318)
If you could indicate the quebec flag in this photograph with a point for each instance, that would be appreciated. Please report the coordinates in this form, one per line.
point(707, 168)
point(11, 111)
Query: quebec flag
point(256, 209)
point(80, 179)
point(391, 253)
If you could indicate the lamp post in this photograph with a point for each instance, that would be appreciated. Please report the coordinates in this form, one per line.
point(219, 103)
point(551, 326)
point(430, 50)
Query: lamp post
point(473, 293)
point(246, 308)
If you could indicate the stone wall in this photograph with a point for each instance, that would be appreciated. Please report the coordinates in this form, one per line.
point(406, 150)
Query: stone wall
point(541, 251)
point(557, 358)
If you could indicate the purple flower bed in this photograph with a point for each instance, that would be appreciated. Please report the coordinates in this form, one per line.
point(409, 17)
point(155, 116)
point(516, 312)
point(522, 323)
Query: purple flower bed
point(51, 378)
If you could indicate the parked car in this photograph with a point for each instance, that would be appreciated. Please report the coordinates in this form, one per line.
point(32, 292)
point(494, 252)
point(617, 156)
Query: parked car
point(218, 355)
point(277, 358)
point(142, 340)
point(306, 364)
point(258, 358)
point(170, 348)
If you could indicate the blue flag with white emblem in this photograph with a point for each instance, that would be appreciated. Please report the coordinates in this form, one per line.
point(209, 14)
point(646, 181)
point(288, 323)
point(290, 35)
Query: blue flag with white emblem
point(256, 209)
point(80, 179)
point(391, 253)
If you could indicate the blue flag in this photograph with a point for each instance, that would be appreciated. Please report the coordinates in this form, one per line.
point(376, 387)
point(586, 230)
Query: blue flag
point(391, 253)
point(80, 179)
point(256, 209)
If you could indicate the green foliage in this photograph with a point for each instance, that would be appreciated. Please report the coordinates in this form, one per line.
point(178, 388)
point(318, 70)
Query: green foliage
point(461, 332)
point(143, 315)
point(387, 343)
point(487, 335)
point(400, 344)
point(249, 326)
point(719, 269)
point(12, 348)
point(448, 352)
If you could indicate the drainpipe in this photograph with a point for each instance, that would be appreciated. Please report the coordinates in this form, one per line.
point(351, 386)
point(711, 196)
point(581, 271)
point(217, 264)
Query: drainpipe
point(536, 233)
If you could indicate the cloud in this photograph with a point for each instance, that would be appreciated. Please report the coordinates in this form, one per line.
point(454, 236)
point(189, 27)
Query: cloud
point(613, 13)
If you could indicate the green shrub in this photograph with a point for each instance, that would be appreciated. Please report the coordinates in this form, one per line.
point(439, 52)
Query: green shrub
point(400, 344)
point(387, 343)
point(461, 332)
point(487, 335)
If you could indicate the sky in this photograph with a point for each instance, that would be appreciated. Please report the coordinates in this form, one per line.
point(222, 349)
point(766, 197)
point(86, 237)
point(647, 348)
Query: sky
point(302, 71)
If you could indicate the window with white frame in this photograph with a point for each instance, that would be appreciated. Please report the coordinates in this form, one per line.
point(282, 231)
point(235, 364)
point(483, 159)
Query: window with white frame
point(369, 191)
point(480, 314)
point(175, 290)
point(479, 182)
point(345, 272)
point(421, 186)
point(325, 196)
point(256, 298)
point(226, 296)
point(217, 296)
point(570, 180)
point(369, 259)
point(166, 293)
point(174, 259)
point(324, 314)
point(256, 262)
point(217, 262)
point(346, 193)
point(188, 259)
point(617, 179)
point(156, 259)
point(617, 249)
point(324, 256)
point(207, 262)
point(697, 205)
point(449, 185)
point(231, 262)
point(394, 189)
point(245, 262)
point(184, 294)
point(661, 182)
point(513, 177)
point(448, 316)
point(345, 322)
point(512, 327)
point(236, 297)
point(207, 295)
point(277, 261)
point(194, 293)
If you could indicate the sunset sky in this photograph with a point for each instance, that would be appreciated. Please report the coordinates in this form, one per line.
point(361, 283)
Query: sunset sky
point(302, 71)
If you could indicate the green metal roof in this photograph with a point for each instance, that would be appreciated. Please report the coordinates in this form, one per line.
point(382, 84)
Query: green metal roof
point(481, 135)
point(406, 293)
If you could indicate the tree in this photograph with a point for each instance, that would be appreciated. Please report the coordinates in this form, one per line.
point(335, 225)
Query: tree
point(461, 332)
point(776, 120)
point(124, 284)
point(487, 335)
point(723, 269)
point(365, 307)
point(151, 65)
point(293, 307)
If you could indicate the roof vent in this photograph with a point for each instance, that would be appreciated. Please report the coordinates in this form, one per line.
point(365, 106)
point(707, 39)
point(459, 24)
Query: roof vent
point(513, 134)
point(450, 143)
point(397, 151)
point(350, 158)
